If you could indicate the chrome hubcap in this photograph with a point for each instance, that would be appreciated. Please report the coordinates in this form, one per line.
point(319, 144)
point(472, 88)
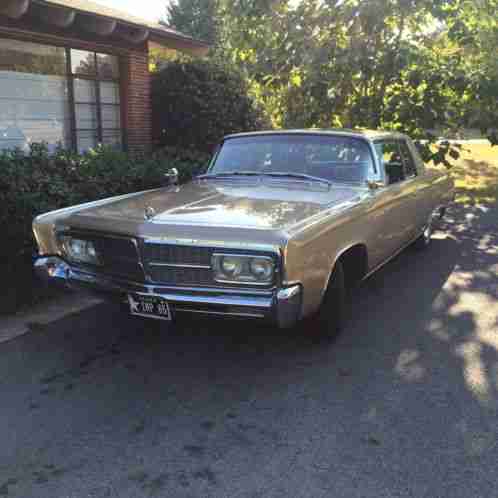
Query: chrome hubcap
point(427, 233)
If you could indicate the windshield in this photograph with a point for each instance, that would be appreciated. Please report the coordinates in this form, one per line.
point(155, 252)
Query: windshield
point(332, 157)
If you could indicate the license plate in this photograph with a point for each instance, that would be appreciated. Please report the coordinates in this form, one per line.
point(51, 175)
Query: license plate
point(149, 306)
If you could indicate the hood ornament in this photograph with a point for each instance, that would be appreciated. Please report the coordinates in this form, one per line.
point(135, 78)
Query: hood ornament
point(149, 213)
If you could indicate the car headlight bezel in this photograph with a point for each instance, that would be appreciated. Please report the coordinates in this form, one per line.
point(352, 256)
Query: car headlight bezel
point(244, 273)
point(79, 250)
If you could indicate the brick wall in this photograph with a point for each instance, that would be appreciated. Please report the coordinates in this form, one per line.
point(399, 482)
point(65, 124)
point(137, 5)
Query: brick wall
point(136, 102)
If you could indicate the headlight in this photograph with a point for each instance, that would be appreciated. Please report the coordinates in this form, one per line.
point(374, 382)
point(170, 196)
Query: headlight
point(79, 250)
point(262, 269)
point(231, 267)
point(243, 269)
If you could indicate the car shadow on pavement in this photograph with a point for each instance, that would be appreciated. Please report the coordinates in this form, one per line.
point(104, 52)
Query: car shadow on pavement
point(218, 408)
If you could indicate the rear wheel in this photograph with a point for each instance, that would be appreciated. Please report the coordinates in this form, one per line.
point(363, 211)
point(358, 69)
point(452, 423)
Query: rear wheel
point(424, 240)
point(330, 319)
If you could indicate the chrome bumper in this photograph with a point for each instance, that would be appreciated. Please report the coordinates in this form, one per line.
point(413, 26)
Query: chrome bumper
point(282, 307)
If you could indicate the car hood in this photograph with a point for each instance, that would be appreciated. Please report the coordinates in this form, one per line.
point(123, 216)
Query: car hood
point(256, 204)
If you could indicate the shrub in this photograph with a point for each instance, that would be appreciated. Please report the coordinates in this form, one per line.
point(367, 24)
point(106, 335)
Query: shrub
point(38, 182)
point(188, 162)
point(197, 102)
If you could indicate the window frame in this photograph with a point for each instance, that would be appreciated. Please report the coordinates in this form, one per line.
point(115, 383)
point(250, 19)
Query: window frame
point(67, 73)
point(408, 176)
point(398, 141)
point(97, 80)
point(66, 139)
point(373, 173)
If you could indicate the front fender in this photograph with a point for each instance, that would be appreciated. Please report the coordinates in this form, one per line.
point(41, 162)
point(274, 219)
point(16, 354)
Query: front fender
point(311, 258)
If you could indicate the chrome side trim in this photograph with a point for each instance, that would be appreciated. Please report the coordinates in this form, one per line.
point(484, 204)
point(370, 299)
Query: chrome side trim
point(390, 258)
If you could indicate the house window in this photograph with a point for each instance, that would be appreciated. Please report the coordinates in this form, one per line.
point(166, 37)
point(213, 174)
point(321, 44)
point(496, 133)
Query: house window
point(34, 104)
point(59, 96)
point(97, 108)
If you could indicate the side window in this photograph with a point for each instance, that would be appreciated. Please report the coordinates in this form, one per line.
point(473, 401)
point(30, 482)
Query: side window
point(410, 166)
point(389, 156)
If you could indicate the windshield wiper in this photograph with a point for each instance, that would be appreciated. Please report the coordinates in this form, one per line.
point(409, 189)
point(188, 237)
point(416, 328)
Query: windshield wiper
point(229, 173)
point(302, 176)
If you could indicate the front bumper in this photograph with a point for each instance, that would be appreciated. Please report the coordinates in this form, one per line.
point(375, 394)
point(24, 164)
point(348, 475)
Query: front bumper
point(282, 307)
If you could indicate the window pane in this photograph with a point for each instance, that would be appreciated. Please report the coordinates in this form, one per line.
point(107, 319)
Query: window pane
point(111, 116)
point(410, 167)
point(86, 116)
point(33, 108)
point(108, 66)
point(113, 138)
point(83, 62)
point(332, 157)
point(109, 92)
point(86, 140)
point(390, 157)
point(84, 91)
point(32, 58)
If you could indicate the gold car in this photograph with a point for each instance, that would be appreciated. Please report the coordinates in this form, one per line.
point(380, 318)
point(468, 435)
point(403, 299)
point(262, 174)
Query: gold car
point(280, 226)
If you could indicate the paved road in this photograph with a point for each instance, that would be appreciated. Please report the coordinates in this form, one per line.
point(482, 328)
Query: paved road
point(404, 404)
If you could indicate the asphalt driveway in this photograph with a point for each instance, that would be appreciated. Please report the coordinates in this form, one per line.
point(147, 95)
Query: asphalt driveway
point(404, 404)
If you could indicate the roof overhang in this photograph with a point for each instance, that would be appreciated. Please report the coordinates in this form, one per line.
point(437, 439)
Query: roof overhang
point(101, 21)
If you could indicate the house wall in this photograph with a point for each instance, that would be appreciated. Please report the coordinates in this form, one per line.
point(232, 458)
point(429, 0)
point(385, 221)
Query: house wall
point(136, 98)
point(134, 79)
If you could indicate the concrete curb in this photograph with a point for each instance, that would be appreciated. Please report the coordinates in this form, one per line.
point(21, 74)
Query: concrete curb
point(13, 326)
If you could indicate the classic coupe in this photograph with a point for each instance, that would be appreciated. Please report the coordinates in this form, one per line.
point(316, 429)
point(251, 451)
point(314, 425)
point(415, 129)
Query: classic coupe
point(280, 227)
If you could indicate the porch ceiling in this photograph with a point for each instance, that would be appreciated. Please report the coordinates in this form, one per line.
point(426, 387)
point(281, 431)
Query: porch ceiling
point(102, 21)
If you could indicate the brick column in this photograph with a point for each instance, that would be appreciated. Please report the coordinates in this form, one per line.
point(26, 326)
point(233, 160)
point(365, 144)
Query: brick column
point(136, 103)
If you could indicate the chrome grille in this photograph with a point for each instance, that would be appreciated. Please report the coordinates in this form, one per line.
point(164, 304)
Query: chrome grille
point(119, 256)
point(178, 265)
point(172, 254)
point(180, 276)
point(170, 264)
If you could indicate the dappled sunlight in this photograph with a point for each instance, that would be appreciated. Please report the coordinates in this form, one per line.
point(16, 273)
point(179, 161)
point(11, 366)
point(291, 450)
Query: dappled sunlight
point(474, 371)
point(465, 311)
point(409, 367)
point(476, 441)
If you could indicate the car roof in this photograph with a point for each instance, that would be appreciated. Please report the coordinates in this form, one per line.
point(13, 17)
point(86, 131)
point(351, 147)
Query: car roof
point(360, 133)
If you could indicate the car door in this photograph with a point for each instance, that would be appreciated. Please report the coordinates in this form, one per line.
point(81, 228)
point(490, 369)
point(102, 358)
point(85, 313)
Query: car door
point(392, 204)
point(418, 187)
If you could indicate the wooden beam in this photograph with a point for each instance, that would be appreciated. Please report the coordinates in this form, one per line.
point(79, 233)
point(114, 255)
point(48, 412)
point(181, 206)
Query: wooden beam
point(191, 48)
point(132, 34)
point(56, 16)
point(96, 25)
point(14, 8)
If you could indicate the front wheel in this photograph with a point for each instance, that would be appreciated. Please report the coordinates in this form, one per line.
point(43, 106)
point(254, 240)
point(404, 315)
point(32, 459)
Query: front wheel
point(330, 319)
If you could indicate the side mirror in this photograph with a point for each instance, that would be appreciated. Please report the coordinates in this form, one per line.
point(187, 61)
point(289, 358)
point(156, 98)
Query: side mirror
point(171, 177)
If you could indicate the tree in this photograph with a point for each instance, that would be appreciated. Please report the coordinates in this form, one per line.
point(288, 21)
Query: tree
point(474, 31)
point(393, 64)
point(417, 66)
point(198, 18)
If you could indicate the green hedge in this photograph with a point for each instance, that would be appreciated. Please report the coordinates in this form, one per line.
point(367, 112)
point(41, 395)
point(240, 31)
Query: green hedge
point(197, 102)
point(38, 182)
